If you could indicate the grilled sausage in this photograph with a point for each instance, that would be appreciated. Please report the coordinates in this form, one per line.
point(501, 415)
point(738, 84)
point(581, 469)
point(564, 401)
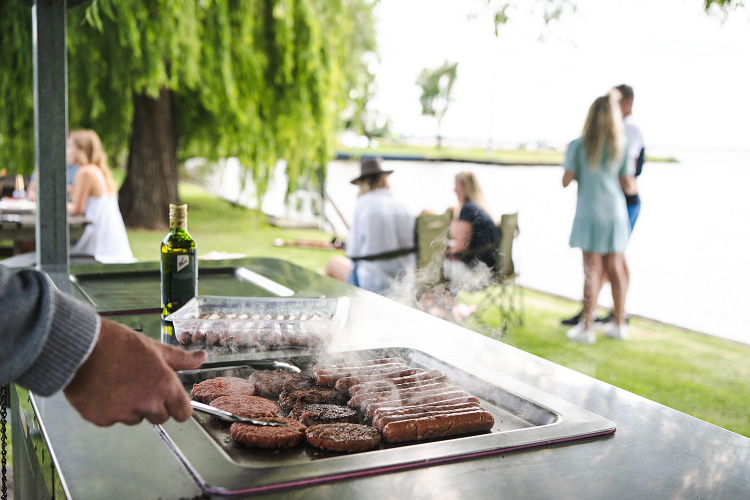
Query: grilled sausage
point(385, 417)
point(343, 384)
point(385, 420)
point(353, 364)
point(432, 398)
point(330, 377)
point(395, 392)
point(386, 410)
point(417, 379)
point(438, 426)
point(411, 395)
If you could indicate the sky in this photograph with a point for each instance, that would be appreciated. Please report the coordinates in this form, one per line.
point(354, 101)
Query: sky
point(690, 70)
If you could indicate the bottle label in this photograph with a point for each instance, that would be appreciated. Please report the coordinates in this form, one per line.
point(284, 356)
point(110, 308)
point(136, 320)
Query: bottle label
point(182, 262)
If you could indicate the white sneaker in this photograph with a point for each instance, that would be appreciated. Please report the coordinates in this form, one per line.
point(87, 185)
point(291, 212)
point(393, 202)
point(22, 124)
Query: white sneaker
point(579, 333)
point(618, 332)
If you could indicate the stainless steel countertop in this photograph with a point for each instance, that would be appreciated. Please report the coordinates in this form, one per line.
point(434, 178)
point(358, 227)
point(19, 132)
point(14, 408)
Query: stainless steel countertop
point(656, 452)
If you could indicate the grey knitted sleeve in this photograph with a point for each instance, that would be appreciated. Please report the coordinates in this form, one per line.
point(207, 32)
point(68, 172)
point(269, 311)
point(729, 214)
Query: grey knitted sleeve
point(45, 335)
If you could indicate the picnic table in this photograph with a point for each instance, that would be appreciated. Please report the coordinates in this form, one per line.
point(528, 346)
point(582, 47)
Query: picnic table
point(18, 224)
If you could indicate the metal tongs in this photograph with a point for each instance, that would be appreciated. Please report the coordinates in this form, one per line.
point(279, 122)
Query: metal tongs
point(231, 417)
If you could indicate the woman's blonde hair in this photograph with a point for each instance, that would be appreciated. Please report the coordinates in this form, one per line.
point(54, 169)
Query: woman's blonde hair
point(472, 191)
point(603, 130)
point(91, 152)
point(373, 182)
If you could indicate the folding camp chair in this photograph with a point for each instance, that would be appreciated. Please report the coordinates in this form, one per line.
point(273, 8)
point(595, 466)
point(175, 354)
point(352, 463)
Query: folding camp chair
point(431, 236)
point(503, 291)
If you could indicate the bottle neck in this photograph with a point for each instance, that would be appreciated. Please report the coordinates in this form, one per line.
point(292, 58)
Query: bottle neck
point(178, 224)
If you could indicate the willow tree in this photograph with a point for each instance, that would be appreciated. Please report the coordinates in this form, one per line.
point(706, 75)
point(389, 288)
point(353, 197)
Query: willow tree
point(437, 85)
point(166, 80)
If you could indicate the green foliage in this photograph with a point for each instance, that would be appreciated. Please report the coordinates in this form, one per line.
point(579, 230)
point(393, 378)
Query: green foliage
point(437, 85)
point(503, 11)
point(16, 72)
point(262, 80)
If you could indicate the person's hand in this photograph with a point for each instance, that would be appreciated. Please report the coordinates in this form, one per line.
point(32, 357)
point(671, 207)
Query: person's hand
point(129, 377)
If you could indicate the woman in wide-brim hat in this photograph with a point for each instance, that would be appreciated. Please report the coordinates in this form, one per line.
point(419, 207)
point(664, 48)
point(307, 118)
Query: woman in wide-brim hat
point(381, 238)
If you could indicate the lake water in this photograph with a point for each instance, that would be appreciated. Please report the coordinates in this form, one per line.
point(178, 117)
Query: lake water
point(688, 254)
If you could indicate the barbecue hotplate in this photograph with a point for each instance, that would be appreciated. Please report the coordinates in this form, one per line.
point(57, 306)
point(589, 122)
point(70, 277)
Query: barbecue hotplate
point(524, 417)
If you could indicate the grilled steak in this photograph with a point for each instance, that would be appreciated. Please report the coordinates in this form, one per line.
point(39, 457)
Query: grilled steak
point(269, 437)
point(316, 413)
point(270, 383)
point(210, 389)
point(246, 406)
point(343, 437)
point(438, 426)
point(289, 398)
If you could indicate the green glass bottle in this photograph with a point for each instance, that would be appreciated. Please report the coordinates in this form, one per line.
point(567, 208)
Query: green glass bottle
point(179, 263)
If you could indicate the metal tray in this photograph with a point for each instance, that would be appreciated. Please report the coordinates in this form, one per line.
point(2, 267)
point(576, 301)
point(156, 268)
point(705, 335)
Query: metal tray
point(524, 417)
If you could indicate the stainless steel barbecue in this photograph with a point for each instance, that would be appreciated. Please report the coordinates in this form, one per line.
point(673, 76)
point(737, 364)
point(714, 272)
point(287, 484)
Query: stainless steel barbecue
point(524, 418)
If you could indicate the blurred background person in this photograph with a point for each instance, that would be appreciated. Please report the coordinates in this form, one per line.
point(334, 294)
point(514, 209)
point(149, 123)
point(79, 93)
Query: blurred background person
point(381, 239)
point(472, 236)
point(637, 152)
point(599, 162)
point(95, 196)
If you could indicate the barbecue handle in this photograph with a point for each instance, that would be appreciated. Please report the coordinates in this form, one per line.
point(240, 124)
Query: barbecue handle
point(231, 417)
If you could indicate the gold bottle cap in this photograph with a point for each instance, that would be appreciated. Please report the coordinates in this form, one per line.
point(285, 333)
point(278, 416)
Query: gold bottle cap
point(177, 215)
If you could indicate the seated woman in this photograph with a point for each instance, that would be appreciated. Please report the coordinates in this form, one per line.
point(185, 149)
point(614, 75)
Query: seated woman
point(95, 195)
point(381, 239)
point(473, 237)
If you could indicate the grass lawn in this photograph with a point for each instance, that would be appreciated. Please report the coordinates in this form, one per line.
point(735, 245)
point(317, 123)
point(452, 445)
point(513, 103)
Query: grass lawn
point(703, 376)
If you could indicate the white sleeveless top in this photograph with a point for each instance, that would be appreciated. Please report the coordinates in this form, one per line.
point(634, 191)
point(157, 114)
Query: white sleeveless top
point(105, 238)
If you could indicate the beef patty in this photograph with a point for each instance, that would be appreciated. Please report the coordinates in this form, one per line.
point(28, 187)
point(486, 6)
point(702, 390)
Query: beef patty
point(270, 383)
point(343, 437)
point(246, 406)
point(210, 389)
point(317, 413)
point(269, 437)
point(290, 398)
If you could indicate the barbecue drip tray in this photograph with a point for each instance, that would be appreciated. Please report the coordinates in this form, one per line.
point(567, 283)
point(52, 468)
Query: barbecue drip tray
point(524, 417)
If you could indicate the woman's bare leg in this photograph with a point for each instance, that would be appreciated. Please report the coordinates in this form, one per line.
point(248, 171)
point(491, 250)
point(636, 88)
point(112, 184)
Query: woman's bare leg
point(618, 275)
point(592, 272)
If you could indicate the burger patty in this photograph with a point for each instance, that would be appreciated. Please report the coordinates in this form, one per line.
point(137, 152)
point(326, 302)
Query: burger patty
point(290, 398)
point(269, 437)
point(270, 383)
point(246, 406)
point(314, 414)
point(210, 389)
point(343, 437)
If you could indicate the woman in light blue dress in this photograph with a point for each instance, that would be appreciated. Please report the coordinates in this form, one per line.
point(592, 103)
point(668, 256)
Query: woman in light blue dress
point(598, 161)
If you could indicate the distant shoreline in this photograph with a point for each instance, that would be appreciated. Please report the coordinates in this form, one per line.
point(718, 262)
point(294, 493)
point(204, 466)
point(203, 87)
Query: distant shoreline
point(504, 158)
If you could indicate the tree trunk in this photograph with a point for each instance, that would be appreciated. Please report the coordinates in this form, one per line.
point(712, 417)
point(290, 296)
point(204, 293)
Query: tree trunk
point(151, 181)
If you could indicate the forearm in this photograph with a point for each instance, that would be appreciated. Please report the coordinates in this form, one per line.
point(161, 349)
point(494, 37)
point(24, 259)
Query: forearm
point(45, 334)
